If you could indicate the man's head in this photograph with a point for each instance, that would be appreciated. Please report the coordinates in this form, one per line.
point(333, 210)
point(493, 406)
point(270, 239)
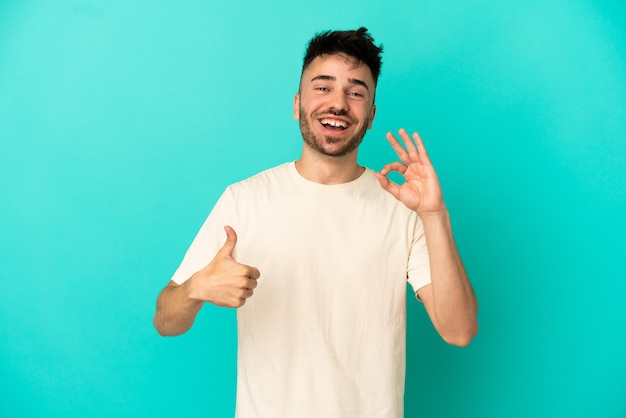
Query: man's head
point(357, 44)
point(335, 100)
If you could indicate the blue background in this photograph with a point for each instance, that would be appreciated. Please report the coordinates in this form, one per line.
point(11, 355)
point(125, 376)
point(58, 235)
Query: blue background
point(121, 122)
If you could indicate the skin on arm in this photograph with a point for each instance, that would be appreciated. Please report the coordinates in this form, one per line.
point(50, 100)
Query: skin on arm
point(449, 299)
point(223, 282)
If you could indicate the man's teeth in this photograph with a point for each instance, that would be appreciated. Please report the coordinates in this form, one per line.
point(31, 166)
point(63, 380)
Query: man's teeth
point(334, 123)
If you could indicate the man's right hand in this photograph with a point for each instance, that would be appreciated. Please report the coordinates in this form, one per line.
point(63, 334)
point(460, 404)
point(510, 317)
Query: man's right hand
point(224, 281)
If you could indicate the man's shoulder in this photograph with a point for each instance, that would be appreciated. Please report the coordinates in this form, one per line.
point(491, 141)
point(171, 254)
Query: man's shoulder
point(265, 177)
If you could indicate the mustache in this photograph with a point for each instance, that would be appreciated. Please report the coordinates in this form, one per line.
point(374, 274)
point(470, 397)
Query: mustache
point(334, 112)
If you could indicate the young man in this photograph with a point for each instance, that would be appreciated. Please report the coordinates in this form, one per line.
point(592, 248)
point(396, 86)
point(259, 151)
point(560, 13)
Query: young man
point(321, 254)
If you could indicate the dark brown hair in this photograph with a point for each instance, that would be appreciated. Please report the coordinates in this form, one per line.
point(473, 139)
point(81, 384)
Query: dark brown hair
point(358, 44)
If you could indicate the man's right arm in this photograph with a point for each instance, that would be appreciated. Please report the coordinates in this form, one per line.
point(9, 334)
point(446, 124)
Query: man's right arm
point(223, 282)
point(176, 311)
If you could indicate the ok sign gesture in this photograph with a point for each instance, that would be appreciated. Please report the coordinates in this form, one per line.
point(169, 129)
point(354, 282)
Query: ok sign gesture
point(421, 191)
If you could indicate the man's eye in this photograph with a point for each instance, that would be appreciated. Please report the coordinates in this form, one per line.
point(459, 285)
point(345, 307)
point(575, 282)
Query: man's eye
point(321, 88)
point(355, 94)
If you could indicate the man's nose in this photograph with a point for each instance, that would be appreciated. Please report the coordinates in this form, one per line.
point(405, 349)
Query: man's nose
point(338, 102)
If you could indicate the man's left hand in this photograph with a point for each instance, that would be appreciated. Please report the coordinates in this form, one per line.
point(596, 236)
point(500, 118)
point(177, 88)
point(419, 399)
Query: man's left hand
point(421, 191)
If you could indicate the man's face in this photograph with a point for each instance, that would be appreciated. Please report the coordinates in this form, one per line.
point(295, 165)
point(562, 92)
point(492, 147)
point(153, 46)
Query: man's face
point(335, 104)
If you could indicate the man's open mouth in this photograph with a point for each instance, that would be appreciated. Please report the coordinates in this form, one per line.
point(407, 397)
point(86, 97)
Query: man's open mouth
point(334, 124)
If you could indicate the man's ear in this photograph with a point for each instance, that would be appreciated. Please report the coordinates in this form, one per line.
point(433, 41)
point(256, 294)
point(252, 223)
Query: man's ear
point(296, 107)
point(371, 117)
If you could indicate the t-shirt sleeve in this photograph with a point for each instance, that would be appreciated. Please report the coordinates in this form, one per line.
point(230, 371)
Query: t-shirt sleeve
point(418, 272)
point(208, 241)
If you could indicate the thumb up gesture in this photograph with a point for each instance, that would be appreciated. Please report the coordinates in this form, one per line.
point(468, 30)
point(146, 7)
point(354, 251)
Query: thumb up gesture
point(224, 281)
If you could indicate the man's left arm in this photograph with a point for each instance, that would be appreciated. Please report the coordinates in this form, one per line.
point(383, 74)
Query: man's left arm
point(449, 299)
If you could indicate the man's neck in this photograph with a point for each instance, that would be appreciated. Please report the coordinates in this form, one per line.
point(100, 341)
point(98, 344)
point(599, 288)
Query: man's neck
point(325, 169)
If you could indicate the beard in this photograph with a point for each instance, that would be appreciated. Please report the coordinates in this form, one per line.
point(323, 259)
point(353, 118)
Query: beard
point(319, 142)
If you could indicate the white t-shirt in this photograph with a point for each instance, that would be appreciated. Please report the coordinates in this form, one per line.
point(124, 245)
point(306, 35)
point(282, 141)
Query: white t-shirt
point(324, 333)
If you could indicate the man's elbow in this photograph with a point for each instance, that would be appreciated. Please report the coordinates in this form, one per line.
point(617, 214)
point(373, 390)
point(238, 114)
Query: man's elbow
point(165, 331)
point(462, 338)
point(159, 328)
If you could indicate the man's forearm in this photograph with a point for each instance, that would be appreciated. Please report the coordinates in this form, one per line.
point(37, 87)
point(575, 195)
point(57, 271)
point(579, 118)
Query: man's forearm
point(454, 303)
point(175, 311)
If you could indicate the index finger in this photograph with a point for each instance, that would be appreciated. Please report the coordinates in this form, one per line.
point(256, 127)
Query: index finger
point(253, 272)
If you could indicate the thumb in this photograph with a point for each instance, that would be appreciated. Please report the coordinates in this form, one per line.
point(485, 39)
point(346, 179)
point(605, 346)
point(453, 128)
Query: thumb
point(228, 248)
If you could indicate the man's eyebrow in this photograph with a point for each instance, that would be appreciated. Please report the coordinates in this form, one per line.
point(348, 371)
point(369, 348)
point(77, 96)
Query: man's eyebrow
point(324, 77)
point(359, 82)
point(333, 78)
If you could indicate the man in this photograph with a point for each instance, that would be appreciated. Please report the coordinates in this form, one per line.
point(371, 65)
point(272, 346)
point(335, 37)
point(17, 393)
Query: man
point(318, 252)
